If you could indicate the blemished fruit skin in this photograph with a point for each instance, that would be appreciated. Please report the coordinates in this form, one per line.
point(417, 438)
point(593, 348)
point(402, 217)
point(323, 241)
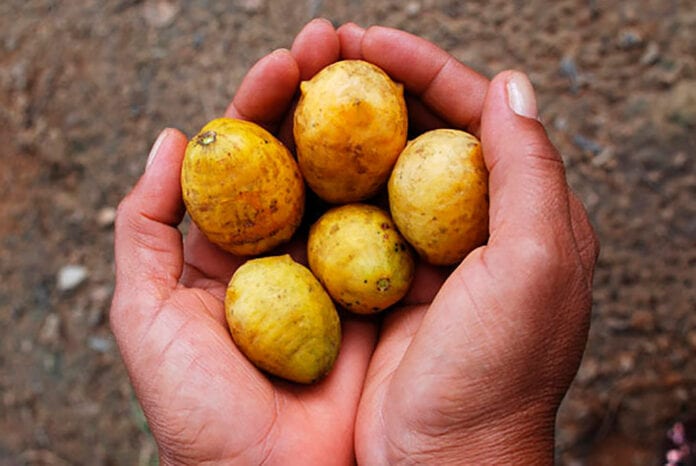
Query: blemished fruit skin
point(350, 125)
point(438, 195)
point(357, 253)
point(282, 319)
point(242, 187)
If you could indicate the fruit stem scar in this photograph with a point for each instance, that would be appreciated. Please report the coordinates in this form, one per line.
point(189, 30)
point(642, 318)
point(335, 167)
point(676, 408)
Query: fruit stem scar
point(206, 138)
point(383, 284)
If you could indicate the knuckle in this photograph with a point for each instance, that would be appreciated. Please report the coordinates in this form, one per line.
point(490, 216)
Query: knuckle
point(543, 155)
point(124, 211)
point(539, 256)
point(548, 265)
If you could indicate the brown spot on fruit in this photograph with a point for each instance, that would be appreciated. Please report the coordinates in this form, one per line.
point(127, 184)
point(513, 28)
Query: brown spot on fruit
point(206, 138)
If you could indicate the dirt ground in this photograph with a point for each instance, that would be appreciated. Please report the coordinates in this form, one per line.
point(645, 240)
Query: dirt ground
point(86, 86)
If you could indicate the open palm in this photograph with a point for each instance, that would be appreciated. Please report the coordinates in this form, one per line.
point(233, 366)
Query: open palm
point(203, 400)
point(472, 367)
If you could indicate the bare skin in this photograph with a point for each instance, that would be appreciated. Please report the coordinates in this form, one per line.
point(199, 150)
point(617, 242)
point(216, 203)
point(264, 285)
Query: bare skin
point(470, 369)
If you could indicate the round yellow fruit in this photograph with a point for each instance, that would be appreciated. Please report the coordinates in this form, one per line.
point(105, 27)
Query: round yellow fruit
point(282, 319)
point(350, 126)
point(357, 253)
point(242, 187)
point(438, 195)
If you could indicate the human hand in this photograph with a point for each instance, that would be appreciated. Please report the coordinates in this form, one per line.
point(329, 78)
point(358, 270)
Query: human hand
point(203, 399)
point(476, 375)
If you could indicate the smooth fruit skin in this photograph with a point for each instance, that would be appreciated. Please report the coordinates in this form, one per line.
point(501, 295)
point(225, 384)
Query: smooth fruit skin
point(438, 195)
point(242, 187)
point(357, 253)
point(350, 125)
point(282, 319)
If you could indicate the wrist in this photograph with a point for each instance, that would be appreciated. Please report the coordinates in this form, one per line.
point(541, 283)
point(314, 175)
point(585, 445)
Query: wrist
point(521, 437)
point(520, 444)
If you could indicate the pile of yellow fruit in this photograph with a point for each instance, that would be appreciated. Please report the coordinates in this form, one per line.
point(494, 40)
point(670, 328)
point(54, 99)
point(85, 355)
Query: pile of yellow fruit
point(246, 192)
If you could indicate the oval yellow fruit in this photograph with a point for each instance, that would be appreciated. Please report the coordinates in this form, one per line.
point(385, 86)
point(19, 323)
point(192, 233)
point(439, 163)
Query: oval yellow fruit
point(357, 253)
point(242, 187)
point(438, 195)
point(350, 125)
point(282, 319)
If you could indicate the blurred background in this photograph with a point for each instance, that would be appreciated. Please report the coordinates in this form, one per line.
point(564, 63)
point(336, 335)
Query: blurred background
point(86, 86)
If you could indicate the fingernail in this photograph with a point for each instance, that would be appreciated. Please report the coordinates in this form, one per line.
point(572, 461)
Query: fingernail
point(321, 19)
point(521, 95)
point(155, 148)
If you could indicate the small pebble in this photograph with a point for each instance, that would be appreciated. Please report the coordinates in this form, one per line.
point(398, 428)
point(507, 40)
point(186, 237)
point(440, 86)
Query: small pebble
point(626, 362)
point(99, 344)
point(587, 144)
point(252, 6)
point(651, 54)
point(569, 69)
point(413, 8)
point(71, 276)
point(630, 38)
point(101, 294)
point(160, 14)
point(106, 217)
point(604, 158)
point(50, 331)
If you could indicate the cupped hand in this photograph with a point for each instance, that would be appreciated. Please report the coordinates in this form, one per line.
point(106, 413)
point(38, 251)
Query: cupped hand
point(203, 400)
point(472, 368)
point(469, 370)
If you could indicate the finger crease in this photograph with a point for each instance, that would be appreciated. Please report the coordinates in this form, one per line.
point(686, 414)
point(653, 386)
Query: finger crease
point(436, 75)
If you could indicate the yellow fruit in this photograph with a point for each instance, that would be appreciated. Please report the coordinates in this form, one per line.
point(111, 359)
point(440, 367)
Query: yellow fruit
point(350, 126)
point(358, 255)
point(241, 186)
point(282, 319)
point(438, 195)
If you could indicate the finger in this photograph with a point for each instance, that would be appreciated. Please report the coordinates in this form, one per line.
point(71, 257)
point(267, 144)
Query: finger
point(315, 47)
point(332, 402)
point(350, 37)
point(527, 185)
point(396, 334)
point(284, 132)
point(451, 89)
point(421, 118)
point(426, 283)
point(395, 337)
point(267, 90)
point(148, 251)
point(349, 371)
point(207, 258)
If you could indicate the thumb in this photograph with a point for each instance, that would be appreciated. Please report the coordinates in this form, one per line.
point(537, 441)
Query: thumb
point(528, 189)
point(148, 251)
